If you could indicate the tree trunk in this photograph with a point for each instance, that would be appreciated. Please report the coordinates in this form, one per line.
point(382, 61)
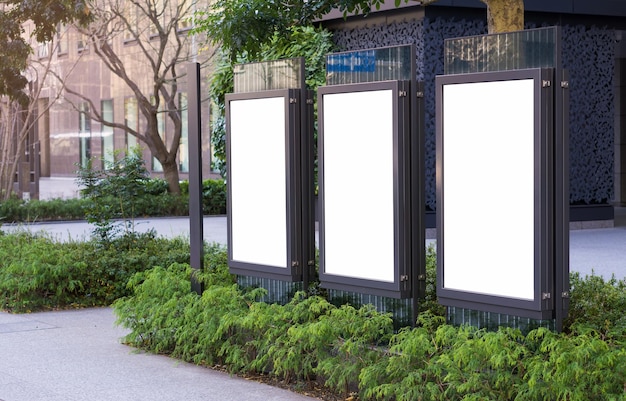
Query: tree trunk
point(170, 172)
point(505, 15)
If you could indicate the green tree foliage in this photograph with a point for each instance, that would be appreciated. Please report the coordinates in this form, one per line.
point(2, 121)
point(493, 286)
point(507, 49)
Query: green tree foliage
point(246, 26)
point(298, 41)
point(14, 47)
point(114, 192)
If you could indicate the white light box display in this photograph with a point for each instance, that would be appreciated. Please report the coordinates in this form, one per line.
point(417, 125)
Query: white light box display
point(493, 191)
point(363, 163)
point(260, 153)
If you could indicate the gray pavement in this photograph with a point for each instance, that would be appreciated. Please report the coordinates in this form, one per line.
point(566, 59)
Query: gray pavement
point(169, 227)
point(77, 356)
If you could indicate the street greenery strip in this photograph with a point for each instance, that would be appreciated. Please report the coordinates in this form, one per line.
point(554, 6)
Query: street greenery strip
point(351, 350)
point(356, 350)
point(155, 202)
point(38, 273)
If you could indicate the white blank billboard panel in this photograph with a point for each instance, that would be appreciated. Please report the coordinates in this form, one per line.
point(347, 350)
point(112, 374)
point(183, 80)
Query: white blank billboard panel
point(257, 177)
point(489, 153)
point(358, 185)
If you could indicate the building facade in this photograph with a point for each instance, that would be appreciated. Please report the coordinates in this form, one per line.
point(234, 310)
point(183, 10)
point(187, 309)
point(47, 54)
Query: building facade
point(108, 72)
point(592, 49)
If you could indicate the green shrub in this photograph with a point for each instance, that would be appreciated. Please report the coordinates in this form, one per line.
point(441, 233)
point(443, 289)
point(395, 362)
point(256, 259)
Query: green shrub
point(214, 195)
point(355, 351)
point(16, 210)
point(582, 366)
point(596, 303)
point(151, 200)
point(114, 192)
point(37, 272)
point(156, 186)
point(430, 303)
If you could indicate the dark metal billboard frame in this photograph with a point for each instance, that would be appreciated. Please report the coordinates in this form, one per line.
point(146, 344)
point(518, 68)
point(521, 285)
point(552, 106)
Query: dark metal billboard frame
point(292, 271)
point(548, 187)
point(401, 285)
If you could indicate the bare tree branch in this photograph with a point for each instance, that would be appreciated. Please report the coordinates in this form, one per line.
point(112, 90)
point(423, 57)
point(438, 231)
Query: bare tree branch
point(128, 33)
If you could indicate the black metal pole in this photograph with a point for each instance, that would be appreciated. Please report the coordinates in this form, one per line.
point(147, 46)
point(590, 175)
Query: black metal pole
point(196, 233)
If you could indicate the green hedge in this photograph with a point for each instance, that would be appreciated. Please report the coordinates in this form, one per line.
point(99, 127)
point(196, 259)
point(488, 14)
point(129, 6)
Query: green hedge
point(214, 195)
point(156, 202)
point(17, 210)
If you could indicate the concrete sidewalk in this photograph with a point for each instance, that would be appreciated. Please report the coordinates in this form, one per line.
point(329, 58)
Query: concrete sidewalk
point(77, 356)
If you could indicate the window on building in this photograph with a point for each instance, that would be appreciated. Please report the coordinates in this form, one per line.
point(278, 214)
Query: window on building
point(156, 164)
point(183, 150)
point(157, 8)
point(131, 14)
point(84, 134)
point(43, 49)
point(82, 44)
point(131, 119)
point(62, 37)
point(186, 12)
point(108, 146)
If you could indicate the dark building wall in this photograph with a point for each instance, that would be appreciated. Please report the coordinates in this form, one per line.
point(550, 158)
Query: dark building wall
point(588, 53)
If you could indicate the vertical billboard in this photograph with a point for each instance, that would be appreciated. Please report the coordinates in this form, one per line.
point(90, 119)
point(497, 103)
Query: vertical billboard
point(495, 152)
point(264, 196)
point(364, 188)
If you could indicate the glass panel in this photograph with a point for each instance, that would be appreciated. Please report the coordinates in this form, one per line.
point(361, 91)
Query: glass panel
point(401, 310)
point(531, 48)
point(84, 129)
point(278, 291)
point(131, 118)
point(268, 75)
point(492, 321)
point(131, 13)
point(62, 39)
point(107, 134)
point(183, 151)
point(156, 164)
point(388, 63)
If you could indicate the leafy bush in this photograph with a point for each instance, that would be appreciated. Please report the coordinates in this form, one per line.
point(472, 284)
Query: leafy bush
point(114, 192)
point(355, 351)
point(597, 303)
point(156, 186)
point(37, 272)
point(17, 210)
point(151, 200)
point(214, 195)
